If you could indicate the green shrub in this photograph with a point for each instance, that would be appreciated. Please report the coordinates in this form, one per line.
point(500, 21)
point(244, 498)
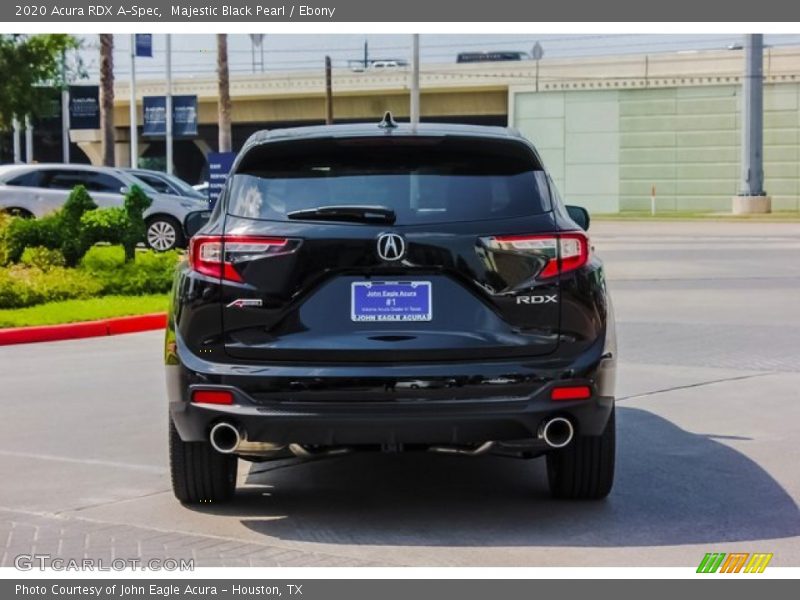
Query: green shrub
point(104, 224)
point(61, 230)
point(26, 286)
point(136, 202)
point(151, 273)
point(5, 221)
point(119, 225)
point(42, 258)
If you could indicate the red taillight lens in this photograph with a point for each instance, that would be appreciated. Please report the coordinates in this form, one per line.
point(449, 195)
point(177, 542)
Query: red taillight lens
point(566, 251)
point(214, 255)
point(212, 397)
point(572, 392)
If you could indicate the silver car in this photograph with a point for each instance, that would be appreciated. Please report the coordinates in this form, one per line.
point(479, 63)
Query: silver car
point(35, 190)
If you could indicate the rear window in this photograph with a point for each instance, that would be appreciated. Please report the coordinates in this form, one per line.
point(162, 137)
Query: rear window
point(427, 180)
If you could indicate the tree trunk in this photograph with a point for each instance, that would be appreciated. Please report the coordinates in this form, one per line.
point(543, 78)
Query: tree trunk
point(107, 97)
point(223, 88)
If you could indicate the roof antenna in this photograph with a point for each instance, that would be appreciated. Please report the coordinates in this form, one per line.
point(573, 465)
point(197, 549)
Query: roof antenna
point(388, 121)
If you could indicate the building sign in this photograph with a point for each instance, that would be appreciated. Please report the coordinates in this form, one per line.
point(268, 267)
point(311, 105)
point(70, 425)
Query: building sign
point(184, 116)
point(84, 107)
point(219, 165)
point(144, 44)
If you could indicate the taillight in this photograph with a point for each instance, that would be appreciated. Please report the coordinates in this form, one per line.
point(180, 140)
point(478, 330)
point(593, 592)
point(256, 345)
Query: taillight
point(215, 255)
point(565, 251)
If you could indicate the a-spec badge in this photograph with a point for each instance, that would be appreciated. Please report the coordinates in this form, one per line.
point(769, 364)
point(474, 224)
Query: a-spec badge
point(245, 302)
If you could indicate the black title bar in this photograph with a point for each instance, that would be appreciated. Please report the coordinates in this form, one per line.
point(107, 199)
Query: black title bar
point(442, 11)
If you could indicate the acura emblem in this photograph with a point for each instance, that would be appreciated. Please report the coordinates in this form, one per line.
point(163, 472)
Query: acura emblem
point(391, 246)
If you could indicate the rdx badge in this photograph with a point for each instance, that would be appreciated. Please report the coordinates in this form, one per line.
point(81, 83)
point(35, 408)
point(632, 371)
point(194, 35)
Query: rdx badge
point(544, 299)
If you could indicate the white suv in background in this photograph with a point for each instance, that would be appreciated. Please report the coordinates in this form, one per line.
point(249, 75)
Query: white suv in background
point(35, 190)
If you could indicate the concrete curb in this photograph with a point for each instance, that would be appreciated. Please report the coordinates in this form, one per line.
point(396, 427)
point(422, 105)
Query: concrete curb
point(73, 331)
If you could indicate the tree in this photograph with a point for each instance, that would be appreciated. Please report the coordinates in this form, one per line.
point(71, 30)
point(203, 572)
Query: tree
point(223, 87)
point(29, 66)
point(107, 97)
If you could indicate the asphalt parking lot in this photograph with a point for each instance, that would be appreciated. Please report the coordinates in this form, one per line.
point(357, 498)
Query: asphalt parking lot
point(708, 419)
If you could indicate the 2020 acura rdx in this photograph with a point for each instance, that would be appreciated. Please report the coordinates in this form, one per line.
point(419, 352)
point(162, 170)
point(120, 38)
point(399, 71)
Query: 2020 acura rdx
point(395, 288)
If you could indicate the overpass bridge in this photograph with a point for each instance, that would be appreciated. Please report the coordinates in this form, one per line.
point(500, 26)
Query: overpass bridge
point(609, 127)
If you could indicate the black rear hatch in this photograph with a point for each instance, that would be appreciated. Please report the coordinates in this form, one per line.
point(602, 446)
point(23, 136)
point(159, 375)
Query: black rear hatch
point(388, 249)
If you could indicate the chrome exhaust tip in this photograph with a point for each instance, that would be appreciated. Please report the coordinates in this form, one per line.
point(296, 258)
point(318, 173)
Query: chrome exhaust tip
point(225, 438)
point(557, 432)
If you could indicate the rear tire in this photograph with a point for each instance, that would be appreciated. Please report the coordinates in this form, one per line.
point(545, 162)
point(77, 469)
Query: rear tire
point(584, 470)
point(200, 474)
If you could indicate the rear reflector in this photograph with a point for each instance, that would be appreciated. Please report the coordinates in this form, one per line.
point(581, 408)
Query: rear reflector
point(212, 397)
point(573, 392)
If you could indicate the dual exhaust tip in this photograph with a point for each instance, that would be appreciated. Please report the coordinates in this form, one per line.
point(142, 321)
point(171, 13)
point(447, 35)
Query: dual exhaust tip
point(557, 432)
point(226, 438)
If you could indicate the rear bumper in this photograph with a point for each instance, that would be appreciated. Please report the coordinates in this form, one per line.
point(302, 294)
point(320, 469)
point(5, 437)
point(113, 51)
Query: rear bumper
point(433, 424)
point(436, 403)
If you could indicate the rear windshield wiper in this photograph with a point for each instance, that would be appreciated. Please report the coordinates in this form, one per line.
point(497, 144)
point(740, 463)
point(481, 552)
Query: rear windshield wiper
point(358, 213)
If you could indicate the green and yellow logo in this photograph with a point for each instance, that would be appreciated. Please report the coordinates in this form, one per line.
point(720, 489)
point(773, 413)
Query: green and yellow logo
point(736, 562)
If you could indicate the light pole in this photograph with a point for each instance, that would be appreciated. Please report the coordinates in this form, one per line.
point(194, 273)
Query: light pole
point(537, 53)
point(752, 198)
point(414, 80)
point(64, 109)
point(17, 142)
point(134, 140)
point(168, 105)
point(28, 139)
point(256, 40)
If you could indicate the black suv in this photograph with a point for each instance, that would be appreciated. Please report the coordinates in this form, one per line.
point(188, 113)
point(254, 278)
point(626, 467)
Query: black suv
point(389, 288)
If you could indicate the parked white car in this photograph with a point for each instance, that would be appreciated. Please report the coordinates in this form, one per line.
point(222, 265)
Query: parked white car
point(36, 190)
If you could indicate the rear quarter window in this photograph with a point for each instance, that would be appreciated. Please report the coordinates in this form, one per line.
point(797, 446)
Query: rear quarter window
point(29, 179)
point(428, 180)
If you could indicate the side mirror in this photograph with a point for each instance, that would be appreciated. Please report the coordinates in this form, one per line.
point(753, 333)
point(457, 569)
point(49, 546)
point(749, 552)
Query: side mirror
point(195, 221)
point(124, 190)
point(580, 215)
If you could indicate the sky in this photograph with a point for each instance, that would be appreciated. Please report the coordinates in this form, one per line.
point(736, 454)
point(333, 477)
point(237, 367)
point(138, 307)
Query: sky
point(195, 54)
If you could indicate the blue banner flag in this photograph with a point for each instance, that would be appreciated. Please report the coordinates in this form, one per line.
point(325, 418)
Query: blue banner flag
point(184, 116)
point(144, 44)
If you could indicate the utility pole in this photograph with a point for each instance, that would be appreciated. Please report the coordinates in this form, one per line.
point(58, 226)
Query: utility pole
point(366, 55)
point(28, 140)
point(414, 80)
point(134, 140)
point(752, 197)
point(64, 109)
point(328, 92)
point(168, 105)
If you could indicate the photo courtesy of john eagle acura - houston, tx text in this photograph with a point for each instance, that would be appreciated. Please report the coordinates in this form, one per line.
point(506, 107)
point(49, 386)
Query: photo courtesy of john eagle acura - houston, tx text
point(390, 288)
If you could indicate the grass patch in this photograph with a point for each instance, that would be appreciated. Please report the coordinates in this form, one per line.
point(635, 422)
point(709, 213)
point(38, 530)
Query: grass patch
point(89, 309)
point(680, 215)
